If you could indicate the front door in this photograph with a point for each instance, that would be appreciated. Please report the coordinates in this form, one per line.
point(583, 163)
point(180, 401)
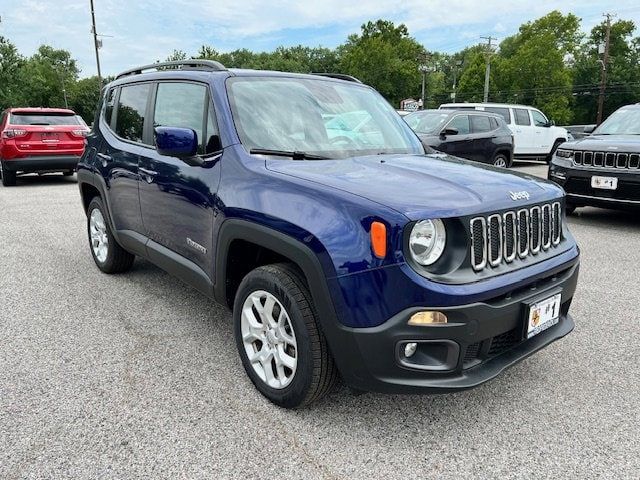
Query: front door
point(177, 200)
point(523, 132)
point(460, 144)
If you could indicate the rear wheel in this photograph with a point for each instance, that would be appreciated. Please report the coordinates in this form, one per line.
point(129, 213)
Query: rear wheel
point(8, 177)
point(282, 348)
point(501, 160)
point(68, 173)
point(108, 255)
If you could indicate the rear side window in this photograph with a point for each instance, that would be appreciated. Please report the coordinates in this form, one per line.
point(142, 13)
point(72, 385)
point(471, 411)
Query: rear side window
point(43, 119)
point(480, 123)
point(522, 116)
point(183, 105)
point(132, 106)
point(504, 112)
point(460, 123)
point(109, 104)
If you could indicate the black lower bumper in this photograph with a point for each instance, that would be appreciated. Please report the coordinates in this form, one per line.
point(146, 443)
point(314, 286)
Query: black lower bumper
point(577, 185)
point(48, 163)
point(478, 342)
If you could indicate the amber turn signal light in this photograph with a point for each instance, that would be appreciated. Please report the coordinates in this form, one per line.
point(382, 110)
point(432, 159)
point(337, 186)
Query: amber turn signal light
point(427, 318)
point(379, 239)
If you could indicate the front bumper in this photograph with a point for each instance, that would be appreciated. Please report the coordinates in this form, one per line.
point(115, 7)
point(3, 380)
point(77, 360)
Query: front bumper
point(577, 185)
point(479, 341)
point(44, 163)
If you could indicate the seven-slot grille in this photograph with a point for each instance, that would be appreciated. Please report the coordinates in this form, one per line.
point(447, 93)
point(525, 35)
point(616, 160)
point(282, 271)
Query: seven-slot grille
point(514, 234)
point(607, 159)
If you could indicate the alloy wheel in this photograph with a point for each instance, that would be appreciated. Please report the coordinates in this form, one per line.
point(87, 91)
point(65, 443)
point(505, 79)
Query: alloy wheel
point(269, 340)
point(99, 238)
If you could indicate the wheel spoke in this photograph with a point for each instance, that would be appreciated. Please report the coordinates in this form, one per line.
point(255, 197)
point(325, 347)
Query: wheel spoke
point(284, 359)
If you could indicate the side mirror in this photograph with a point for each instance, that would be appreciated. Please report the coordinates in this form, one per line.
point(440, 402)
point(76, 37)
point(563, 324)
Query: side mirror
point(550, 123)
point(176, 142)
point(449, 131)
point(589, 128)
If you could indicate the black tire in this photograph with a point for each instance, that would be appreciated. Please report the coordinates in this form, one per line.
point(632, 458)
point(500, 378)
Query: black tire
point(556, 144)
point(569, 208)
point(316, 373)
point(8, 178)
point(501, 160)
point(68, 173)
point(118, 259)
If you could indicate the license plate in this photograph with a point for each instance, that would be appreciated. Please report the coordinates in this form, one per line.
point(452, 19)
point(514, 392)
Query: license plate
point(543, 314)
point(49, 137)
point(604, 183)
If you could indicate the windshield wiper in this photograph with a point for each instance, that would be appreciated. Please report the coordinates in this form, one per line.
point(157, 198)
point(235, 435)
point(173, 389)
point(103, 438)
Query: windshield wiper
point(297, 155)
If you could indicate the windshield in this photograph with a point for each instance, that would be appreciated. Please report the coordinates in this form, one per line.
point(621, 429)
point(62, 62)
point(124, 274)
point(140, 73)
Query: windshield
point(625, 121)
point(318, 117)
point(427, 122)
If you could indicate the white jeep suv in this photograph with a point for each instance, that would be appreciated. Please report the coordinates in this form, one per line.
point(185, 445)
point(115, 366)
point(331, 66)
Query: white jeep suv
point(534, 136)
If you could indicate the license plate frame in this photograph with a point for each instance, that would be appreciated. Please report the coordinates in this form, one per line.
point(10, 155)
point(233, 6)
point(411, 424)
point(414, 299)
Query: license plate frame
point(542, 314)
point(604, 183)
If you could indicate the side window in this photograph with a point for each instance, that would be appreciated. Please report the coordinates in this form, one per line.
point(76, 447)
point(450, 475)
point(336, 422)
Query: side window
point(522, 116)
point(500, 111)
point(480, 123)
point(109, 104)
point(460, 123)
point(132, 106)
point(182, 105)
point(539, 120)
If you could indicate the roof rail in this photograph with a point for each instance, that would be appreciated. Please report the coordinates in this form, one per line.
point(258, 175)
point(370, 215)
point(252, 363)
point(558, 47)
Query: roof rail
point(339, 76)
point(178, 64)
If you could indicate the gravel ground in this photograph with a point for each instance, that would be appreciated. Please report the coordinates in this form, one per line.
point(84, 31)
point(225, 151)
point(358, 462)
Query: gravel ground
point(136, 375)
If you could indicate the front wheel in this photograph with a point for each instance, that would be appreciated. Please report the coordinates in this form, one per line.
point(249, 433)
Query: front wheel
point(108, 255)
point(280, 343)
point(569, 208)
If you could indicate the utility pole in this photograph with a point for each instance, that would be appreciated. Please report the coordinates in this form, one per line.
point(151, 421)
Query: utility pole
point(457, 64)
point(604, 62)
point(96, 43)
point(487, 70)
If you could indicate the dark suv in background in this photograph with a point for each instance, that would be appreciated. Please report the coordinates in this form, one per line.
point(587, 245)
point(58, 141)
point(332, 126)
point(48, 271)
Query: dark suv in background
point(309, 207)
point(602, 169)
point(479, 136)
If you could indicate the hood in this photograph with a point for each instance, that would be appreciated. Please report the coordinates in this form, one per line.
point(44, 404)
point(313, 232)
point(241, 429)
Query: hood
point(423, 186)
point(614, 143)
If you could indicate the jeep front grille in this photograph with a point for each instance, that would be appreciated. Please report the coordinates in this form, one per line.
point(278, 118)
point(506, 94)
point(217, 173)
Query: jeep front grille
point(630, 161)
point(514, 234)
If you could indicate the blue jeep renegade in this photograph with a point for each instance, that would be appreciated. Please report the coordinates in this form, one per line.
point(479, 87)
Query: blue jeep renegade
point(307, 205)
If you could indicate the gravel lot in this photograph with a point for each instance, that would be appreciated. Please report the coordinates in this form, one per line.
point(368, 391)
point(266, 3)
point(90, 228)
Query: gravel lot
point(136, 375)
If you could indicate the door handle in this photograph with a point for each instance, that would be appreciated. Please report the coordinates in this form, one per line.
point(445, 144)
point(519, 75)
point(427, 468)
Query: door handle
point(104, 158)
point(147, 174)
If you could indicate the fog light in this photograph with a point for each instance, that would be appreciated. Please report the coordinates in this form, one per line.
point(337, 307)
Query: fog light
point(427, 318)
point(410, 349)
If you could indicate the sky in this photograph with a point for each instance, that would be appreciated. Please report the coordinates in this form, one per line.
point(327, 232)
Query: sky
point(138, 32)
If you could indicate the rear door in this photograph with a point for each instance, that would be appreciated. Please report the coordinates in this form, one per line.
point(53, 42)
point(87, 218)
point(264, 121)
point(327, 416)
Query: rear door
point(178, 200)
point(483, 134)
point(461, 144)
point(523, 132)
point(124, 115)
point(48, 133)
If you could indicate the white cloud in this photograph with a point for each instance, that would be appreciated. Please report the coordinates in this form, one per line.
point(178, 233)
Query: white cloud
point(144, 30)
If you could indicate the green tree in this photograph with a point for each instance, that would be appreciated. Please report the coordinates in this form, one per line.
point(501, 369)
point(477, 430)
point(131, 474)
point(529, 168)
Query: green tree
point(623, 71)
point(386, 57)
point(45, 77)
point(84, 96)
point(10, 64)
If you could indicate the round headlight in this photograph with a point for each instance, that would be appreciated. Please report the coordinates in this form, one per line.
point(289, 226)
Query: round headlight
point(427, 241)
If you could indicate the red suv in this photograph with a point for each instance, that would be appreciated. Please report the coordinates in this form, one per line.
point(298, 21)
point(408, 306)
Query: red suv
point(39, 140)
